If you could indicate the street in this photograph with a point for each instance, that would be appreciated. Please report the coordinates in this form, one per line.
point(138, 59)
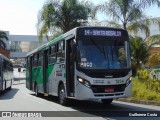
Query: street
point(21, 99)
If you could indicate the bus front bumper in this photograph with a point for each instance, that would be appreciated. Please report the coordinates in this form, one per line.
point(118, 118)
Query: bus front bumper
point(86, 93)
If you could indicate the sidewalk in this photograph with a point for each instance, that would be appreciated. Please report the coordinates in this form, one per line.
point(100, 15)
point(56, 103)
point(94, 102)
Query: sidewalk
point(145, 102)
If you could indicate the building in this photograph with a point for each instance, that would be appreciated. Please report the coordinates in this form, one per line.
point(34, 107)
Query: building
point(20, 45)
point(4, 52)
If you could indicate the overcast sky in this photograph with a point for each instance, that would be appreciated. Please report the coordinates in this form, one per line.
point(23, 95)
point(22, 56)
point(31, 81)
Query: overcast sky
point(19, 17)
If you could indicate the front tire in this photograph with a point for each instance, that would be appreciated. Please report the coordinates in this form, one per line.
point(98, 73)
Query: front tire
point(62, 95)
point(107, 101)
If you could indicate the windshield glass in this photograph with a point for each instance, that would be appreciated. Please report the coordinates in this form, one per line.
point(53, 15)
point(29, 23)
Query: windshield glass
point(103, 54)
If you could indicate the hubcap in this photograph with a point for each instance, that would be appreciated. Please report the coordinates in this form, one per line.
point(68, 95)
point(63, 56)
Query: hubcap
point(62, 95)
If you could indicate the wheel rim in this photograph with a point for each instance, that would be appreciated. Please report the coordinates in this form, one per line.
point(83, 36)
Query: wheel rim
point(61, 95)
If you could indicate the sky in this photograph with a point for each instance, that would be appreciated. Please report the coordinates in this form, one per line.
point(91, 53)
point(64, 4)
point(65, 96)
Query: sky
point(19, 17)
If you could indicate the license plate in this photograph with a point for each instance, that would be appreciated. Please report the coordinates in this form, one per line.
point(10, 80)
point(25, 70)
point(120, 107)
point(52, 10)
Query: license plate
point(109, 89)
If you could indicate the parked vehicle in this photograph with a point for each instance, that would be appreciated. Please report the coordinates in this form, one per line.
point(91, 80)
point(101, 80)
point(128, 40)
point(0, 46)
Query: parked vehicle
point(6, 73)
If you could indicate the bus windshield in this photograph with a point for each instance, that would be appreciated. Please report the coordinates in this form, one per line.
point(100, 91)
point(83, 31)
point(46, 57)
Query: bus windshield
point(103, 54)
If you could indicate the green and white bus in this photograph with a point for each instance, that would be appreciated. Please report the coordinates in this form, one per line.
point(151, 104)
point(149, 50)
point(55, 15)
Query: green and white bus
point(86, 63)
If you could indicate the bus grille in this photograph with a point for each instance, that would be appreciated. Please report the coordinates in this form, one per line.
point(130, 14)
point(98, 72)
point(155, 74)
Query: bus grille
point(105, 74)
point(101, 89)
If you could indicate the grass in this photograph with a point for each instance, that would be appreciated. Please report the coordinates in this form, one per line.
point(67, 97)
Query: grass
point(146, 89)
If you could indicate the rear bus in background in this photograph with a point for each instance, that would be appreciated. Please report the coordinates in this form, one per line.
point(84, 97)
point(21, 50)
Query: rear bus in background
point(6, 73)
point(86, 63)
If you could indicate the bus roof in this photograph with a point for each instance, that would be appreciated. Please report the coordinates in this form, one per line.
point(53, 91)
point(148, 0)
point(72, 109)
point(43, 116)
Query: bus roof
point(73, 31)
point(53, 41)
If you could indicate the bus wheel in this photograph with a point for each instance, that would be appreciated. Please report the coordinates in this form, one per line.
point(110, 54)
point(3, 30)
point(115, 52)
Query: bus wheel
point(106, 101)
point(36, 90)
point(10, 88)
point(62, 95)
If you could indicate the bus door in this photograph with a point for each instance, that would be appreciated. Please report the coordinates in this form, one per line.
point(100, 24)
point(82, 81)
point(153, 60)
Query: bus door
point(45, 66)
point(30, 73)
point(70, 68)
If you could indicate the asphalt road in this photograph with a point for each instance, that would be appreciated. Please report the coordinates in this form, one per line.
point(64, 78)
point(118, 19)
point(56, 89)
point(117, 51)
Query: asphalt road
point(21, 99)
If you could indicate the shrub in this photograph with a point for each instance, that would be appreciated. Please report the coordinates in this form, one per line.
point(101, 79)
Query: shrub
point(143, 74)
point(151, 96)
point(146, 90)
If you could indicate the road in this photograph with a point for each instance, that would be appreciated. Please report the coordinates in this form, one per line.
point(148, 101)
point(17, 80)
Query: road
point(21, 99)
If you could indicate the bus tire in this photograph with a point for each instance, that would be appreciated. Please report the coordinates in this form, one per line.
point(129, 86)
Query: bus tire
point(5, 87)
point(106, 101)
point(10, 86)
point(36, 90)
point(62, 95)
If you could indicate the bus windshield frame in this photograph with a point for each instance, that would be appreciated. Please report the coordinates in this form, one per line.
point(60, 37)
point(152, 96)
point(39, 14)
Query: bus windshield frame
point(103, 53)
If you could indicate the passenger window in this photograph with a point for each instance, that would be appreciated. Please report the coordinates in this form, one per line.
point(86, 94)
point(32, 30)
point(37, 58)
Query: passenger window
point(61, 53)
point(40, 58)
point(52, 55)
point(60, 46)
point(53, 49)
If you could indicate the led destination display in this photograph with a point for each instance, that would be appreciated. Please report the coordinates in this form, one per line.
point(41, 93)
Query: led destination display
point(102, 33)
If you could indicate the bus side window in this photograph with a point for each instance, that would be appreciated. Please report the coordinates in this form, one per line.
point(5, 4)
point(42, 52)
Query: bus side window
point(60, 52)
point(35, 60)
point(52, 55)
point(40, 58)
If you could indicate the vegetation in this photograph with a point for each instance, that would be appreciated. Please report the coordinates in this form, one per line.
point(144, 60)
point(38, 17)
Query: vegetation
point(139, 52)
point(61, 16)
point(146, 89)
point(154, 60)
point(129, 14)
point(3, 36)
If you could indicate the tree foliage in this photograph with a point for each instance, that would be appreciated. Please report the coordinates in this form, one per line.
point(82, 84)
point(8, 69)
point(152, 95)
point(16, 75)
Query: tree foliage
point(154, 60)
point(127, 12)
point(61, 16)
point(3, 36)
point(139, 52)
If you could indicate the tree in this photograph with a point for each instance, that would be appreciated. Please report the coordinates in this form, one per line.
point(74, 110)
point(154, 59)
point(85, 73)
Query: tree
point(140, 49)
point(3, 36)
point(154, 60)
point(139, 52)
point(128, 12)
point(61, 16)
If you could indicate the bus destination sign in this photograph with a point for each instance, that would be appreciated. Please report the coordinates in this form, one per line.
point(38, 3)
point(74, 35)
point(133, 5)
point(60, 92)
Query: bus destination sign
point(103, 33)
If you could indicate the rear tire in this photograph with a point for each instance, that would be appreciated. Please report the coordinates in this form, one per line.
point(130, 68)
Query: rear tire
point(10, 88)
point(62, 95)
point(36, 91)
point(106, 101)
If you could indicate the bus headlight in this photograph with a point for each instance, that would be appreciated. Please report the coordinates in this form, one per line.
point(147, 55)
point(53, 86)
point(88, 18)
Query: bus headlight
point(84, 82)
point(128, 81)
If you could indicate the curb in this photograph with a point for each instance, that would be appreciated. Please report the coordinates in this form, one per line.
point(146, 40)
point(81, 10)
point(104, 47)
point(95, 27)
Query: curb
point(145, 102)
